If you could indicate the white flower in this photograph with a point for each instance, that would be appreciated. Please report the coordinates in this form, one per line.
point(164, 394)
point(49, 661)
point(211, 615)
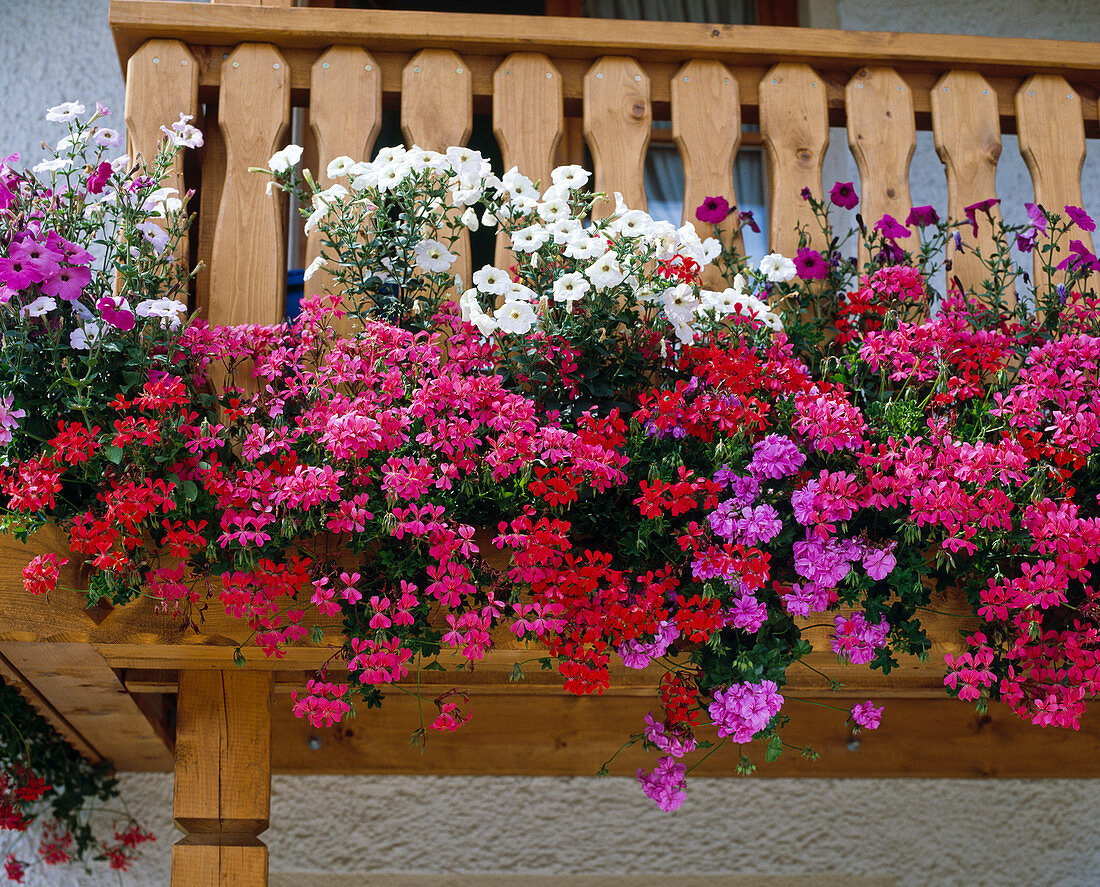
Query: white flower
point(521, 190)
point(553, 210)
point(168, 309)
point(517, 292)
point(570, 287)
point(161, 202)
point(40, 307)
point(680, 303)
point(488, 219)
point(605, 271)
point(469, 218)
point(281, 161)
point(314, 266)
point(712, 247)
point(685, 332)
point(390, 176)
point(319, 212)
point(54, 165)
point(570, 177)
point(584, 248)
point(555, 192)
point(81, 338)
point(390, 155)
point(65, 112)
point(433, 256)
point(529, 239)
point(339, 167)
point(365, 178)
point(491, 280)
point(464, 161)
point(633, 223)
point(120, 163)
point(563, 230)
point(461, 196)
point(515, 317)
point(777, 268)
point(107, 138)
point(183, 134)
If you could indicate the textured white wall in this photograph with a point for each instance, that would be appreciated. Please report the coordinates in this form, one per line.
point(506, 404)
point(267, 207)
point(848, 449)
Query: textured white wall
point(940, 833)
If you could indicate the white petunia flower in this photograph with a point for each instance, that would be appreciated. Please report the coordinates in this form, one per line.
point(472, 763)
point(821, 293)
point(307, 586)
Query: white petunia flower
point(521, 190)
point(679, 303)
point(488, 219)
point(570, 287)
point(469, 219)
point(492, 280)
point(585, 248)
point(65, 112)
point(390, 155)
point(564, 229)
point(605, 271)
point(777, 268)
point(517, 292)
point(281, 161)
point(314, 266)
point(570, 177)
point(515, 317)
point(55, 165)
point(464, 161)
point(82, 338)
point(529, 239)
point(432, 256)
point(181, 135)
point(167, 309)
point(339, 167)
point(107, 138)
point(40, 307)
point(553, 210)
point(633, 223)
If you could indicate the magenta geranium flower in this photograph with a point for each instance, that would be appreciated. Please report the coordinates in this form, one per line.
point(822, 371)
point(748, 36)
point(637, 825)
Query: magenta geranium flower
point(867, 715)
point(1080, 218)
point(844, 195)
point(811, 265)
point(713, 210)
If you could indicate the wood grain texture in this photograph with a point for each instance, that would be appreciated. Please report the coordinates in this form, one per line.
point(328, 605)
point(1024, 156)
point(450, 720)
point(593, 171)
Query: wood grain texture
point(223, 753)
point(528, 122)
point(1052, 142)
point(706, 127)
point(248, 256)
point(211, 183)
point(213, 865)
point(133, 21)
point(572, 736)
point(78, 683)
point(345, 115)
point(437, 113)
point(162, 82)
point(882, 136)
point(967, 136)
point(617, 120)
point(794, 126)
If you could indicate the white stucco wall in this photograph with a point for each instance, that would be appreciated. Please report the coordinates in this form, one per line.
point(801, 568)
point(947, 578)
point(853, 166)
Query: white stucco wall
point(939, 833)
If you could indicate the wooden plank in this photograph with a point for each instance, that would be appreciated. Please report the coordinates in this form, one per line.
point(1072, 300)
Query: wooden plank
point(528, 122)
point(794, 126)
point(617, 121)
point(572, 736)
point(223, 752)
point(706, 127)
point(212, 865)
point(162, 82)
point(134, 21)
point(1052, 141)
point(345, 115)
point(968, 141)
point(436, 114)
point(79, 684)
point(14, 678)
point(248, 257)
point(882, 136)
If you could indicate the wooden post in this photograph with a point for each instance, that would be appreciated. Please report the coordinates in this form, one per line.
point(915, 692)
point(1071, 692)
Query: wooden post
point(618, 118)
point(223, 778)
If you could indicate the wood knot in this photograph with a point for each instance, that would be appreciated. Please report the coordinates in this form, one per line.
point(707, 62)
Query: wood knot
point(638, 109)
point(891, 193)
point(804, 154)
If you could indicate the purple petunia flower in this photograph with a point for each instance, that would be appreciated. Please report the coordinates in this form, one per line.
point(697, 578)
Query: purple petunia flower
point(1037, 217)
point(1080, 218)
point(891, 228)
point(713, 210)
point(844, 195)
point(922, 216)
point(811, 265)
point(982, 206)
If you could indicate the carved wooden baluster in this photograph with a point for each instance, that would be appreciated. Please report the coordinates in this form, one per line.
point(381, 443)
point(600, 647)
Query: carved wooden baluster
point(617, 121)
point(882, 134)
point(162, 82)
point(248, 258)
point(967, 133)
point(222, 798)
point(436, 113)
point(794, 126)
point(1052, 140)
point(345, 114)
point(706, 126)
point(527, 121)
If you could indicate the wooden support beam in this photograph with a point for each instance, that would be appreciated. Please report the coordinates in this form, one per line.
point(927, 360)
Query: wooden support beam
point(222, 796)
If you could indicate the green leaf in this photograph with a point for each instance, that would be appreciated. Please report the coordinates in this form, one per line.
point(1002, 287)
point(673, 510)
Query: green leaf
point(517, 673)
point(774, 749)
point(113, 453)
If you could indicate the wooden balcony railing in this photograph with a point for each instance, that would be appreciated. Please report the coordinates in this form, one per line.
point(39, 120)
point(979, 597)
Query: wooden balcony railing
point(241, 69)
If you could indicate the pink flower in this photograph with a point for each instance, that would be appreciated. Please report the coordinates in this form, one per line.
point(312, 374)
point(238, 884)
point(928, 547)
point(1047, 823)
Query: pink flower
point(713, 210)
point(866, 715)
point(811, 265)
point(844, 195)
point(116, 311)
